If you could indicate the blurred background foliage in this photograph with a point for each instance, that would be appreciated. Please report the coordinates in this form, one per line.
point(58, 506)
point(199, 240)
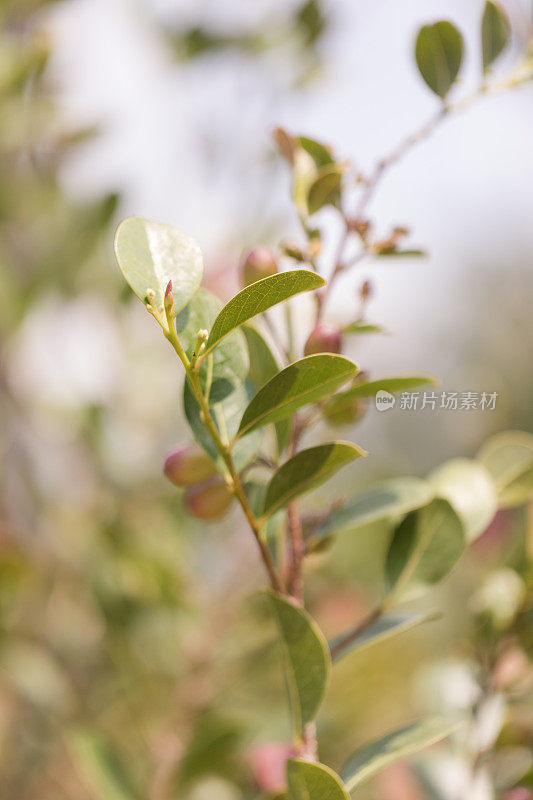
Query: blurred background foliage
point(129, 640)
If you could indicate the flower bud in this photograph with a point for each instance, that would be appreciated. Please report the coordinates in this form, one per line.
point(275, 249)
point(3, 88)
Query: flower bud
point(259, 263)
point(209, 499)
point(187, 465)
point(324, 338)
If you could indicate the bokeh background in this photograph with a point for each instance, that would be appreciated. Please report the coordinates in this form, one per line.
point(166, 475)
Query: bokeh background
point(120, 616)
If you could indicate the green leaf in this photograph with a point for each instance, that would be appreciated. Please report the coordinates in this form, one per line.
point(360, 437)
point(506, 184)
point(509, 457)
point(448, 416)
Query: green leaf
point(362, 327)
point(391, 498)
point(495, 32)
point(320, 153)
point(258, 297)
point(305, 470)
point(401, 743)
point(384, 627)
point(439, 52)
point(325, 189)
point(305, 381)
point(150, 254)
point(100, 767)
point(508, 457)
point(227, 414)
point(309, 781)
point(307, 655)
point(226, 368)
point(392, 384)
point(263, 367)
point(424, 548)
point(470, 490)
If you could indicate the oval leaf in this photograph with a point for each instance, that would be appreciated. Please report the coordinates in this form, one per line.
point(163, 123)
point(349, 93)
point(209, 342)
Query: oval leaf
point(310, 781)
point(150, 254)
point(226, 368)
point(307, 654)
point(401, 743)
point(392, 498)
point(384, 627)
point(258, 297)
point(508, 457)
point(439, 52)
point(390, 383)
point(468, 487)
point(424, 548)
point(305, 381)
point(305, 470)
point(495, 32)
point(325, 189)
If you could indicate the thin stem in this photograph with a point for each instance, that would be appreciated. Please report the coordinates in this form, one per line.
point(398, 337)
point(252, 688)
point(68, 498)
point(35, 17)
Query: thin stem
point(297, 552)
point(355, 632)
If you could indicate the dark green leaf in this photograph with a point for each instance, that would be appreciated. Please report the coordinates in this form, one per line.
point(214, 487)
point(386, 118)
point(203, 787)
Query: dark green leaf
point(310, 781)
point(401, 743)
point(305, 470)
point(392, 384)
point(307, 655)
point(439, 52)
point(150, 254)
point(384, 627)
point(508, 457)
point(226, 368)
point(305, 381)
point(424, 548)
point(495, 32)
point(470, 490)
point(100, 767)
point(258, 297)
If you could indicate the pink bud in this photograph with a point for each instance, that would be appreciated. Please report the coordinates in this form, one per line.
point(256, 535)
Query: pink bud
point(268, 765)
point(209, 499)
point(187, 465)
point(324, 338)
point(168, 289)
point(259, 263)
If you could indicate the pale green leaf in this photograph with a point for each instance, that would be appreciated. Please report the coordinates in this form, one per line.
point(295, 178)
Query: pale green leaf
point(401, 743)
point(362, 327)
point(320, 153)
point(495, 32)
point(325, 189)
point(150, 254)
point(306, 470)
point(389, 383)
point(391, 498)
point(99, 767)
point(469, 488)
point(386, 626)
point(439, 53)
point(508, 457)
point(424, 548)
point(305, 381)
point(226, 368)
point(307, 656)
point(310, 781)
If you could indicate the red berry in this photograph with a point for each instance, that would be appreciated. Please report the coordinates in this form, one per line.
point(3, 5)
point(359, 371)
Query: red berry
point(209, 499)
point(187, 465)
point(259, 263)
point(324, 338)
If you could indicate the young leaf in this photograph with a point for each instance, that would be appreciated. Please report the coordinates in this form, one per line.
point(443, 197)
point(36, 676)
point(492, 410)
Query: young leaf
point(362, 327)
point(401, 743)
point(439, 52)
point(508, 457)
point(424, 548)
point(468, 487)
point(495, 32)
point(384, 627)
point(305, 381)
point(226, 368)
point(325, 189)
point(150, 254)
point(392, 384)
point(100, 767)
point(305, 470)
point(391, 498)
point(263, 367)
point(258, 297)
point(309, 781)
point(307, 654)
point(227, 415)
point(320, 153)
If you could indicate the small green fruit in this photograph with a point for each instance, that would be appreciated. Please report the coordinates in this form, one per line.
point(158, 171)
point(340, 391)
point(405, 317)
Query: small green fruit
point(188, 464)
point(324, 338)
point(259, 263)
point(209, 499)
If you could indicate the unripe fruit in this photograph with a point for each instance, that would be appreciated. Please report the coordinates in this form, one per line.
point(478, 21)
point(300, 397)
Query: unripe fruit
point(209, 499)
point(187, 465)
point(324, 338)
point(259, 263)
